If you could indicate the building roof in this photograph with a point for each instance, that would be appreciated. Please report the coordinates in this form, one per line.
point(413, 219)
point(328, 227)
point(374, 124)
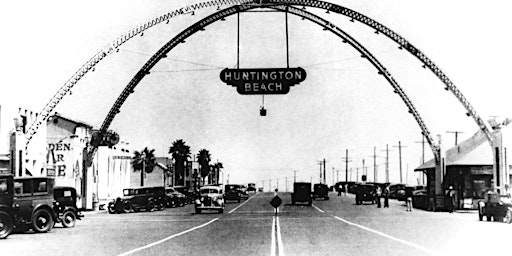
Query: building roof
point(80, 123)
point(473, 151)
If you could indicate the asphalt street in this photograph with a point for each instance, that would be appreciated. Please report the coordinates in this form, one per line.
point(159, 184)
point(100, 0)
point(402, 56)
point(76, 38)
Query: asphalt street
point(330, 227)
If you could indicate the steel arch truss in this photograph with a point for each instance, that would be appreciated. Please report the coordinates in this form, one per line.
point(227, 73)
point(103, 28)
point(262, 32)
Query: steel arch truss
point(162, 53)
point(244, 5)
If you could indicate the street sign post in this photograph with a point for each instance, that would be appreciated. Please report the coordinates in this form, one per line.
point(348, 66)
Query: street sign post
point(255, 81)
point(276, 202)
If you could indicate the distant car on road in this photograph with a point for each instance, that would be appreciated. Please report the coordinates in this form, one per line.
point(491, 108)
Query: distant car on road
point(260, 189)
point(251, 187)
point(210, 198)
point(321, 191)
point(232, 192)
point(243, 192)
point(302, 193)
point(65, 206)
point(365, 193)
point(497, 207)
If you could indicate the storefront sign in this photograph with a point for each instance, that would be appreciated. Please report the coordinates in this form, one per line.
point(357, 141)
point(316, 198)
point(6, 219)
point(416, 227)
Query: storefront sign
point(263, 80)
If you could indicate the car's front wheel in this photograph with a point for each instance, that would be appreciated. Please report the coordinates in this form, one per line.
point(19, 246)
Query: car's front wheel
point(150, 206)
point(42, 221)
point(111, 208)
point(6, 225)
point(68, 219)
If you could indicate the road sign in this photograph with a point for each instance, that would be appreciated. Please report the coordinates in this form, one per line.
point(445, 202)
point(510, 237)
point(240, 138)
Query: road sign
point(254, 81)
point(276, 201)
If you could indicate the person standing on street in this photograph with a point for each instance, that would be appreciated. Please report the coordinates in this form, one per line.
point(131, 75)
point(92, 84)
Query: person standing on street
point(378, 195)
point(408, 200)
point(338, 188)
point(450, 194)
point(386, 196)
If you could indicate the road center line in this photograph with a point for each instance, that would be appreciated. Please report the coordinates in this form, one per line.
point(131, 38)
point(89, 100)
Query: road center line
point(320, 210)
point(167, 238)
point(419, 247)
point(243, 203)
point(273, 238)
point(280, 249)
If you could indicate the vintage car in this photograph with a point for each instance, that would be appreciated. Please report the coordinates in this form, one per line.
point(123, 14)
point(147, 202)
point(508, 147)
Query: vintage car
point(189, 194)
point(135, 199)
point(497, 207)
point(251, 187)
point(320, 191)
point(65, 206)
point(210, 198)
point(174, 198)
point(232, 193)
point(364, 193)
point(159, 197)
point(302, 193)
point(243, 192)
point(26, 203)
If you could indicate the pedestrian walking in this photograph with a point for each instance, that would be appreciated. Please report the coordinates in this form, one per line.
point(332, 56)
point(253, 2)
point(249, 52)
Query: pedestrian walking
point(386, 196)
point(378, 195)
point(450, 196)
point(338, 188)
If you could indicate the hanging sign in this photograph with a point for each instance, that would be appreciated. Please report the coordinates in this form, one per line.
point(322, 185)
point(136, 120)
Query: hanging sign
point(253, 81)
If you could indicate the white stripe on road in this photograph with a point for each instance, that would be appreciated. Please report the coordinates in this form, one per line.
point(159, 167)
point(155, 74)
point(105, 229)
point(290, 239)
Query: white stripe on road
point(280, 249)
point(320, 210)
point(429, 251)
point(242, 204)
point(167, 238)
point(276, 233)
point(273, 238)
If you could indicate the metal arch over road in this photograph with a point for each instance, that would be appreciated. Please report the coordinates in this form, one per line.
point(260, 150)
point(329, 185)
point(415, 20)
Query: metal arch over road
point(200, 25)
point(245, 5)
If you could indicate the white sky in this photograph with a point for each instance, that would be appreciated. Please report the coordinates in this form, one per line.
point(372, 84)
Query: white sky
point(342, 104)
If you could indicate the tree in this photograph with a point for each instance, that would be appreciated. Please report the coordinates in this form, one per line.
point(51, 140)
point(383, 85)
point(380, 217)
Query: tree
point(204, 159)
point(216, 170)
point(180, 153)
point(144, 161)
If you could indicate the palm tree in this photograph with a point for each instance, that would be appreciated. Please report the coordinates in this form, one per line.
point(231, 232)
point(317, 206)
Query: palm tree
point(216, 170)
point(144, 161)
point(204, 162)
point(180, 153)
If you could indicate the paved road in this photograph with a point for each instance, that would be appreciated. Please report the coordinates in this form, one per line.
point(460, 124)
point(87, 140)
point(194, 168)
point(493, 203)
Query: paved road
point(333, 227)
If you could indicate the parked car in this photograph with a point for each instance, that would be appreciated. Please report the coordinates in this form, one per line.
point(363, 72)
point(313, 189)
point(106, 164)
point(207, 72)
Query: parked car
point(159, 197)
point(394, 188)
point(497, 207)
point(260, 189)
point(302, 193)
point(189, 195)
point(174, 198)
point(26, 203)
point(320, 191)
point(210, 198)
point(134, 199)
point(232, 192)
point(365, 193)
point(65, 206)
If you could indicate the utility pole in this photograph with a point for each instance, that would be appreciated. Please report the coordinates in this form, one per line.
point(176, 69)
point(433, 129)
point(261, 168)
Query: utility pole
point(337, 175)
point(357, 174)
point(346, 165)
point(320, 164)
point(325, 180)
point(387, 163)
point(332, 175)
point(456, 135)
point(374, 164)
point(294, 176)
point(400, 146)
point(423, 155)
point(286, 184)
